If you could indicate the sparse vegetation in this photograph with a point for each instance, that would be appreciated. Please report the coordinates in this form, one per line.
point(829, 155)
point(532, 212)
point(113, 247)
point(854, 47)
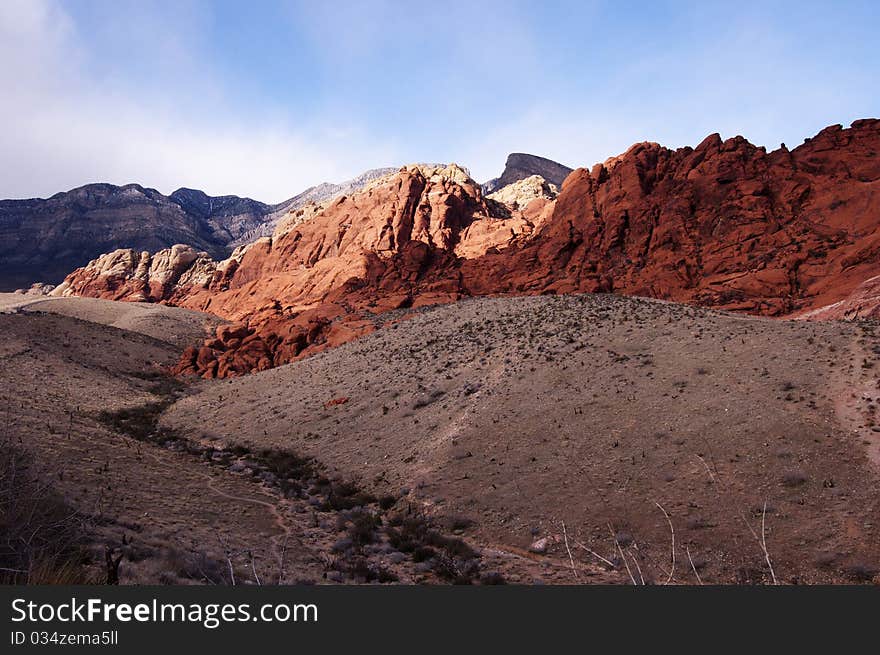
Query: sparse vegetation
point(42, 539)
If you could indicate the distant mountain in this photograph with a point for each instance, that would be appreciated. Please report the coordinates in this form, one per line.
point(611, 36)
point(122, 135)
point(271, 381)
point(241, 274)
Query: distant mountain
point(317, 194)
point(229, 216)
point(42, 240)
point(519, 166)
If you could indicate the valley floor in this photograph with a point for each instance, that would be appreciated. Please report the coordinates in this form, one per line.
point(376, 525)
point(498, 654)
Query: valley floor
point(623, 439)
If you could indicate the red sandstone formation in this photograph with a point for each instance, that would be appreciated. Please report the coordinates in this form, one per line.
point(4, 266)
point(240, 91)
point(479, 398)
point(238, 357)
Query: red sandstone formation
point(725, 224)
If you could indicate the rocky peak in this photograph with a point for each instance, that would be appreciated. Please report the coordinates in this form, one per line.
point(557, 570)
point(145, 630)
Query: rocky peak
point(316, 195)
point(521, 165)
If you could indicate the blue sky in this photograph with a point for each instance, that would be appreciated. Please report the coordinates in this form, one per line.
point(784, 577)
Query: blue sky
point(266, 98)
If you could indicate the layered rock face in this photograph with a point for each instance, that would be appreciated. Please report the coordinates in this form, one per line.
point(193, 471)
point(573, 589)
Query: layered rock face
point(126, 274)
point(519, 194)
point(315, 195)
point(863, 302)
point(725, 224)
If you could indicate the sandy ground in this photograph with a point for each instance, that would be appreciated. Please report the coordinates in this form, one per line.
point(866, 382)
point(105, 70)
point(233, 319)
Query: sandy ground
point(605, 414)
point(180, 327)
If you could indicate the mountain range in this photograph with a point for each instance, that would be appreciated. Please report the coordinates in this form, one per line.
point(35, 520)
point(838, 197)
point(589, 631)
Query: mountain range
point(42, 240)
point(725, 224)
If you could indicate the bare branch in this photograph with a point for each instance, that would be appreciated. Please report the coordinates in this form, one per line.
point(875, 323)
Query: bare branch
point(688, 551)
point(638, 567)
point(570, 558)
point(762, 540)
point(281, 559)
point(622, 556)
point(595, 554)
point(764, 543)
point(672, 531)
point(708, 470)
point(254, 569)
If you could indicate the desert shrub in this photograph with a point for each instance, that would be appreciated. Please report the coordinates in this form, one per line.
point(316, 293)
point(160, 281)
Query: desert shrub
point(362, 527)
point(860, 572)
point(457, 522)
point(452, 545)
point(452, 559)
point(285, 464)
point(423, 553)
point(193, 565)
point(360, 569)
point(42, 539)
point(492, 578)
point(138, 422)
point(794, 478)
point(825, 559)
point(346, 495)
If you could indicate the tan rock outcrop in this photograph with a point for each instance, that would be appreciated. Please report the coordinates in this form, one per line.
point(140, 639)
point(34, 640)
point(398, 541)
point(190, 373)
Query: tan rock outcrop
point(519, 194)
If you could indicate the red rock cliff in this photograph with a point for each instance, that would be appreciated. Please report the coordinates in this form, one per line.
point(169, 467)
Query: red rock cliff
point(725, 224)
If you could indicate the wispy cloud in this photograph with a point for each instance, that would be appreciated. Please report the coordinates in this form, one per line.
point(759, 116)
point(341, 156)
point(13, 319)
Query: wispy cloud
point(67, 122)
point(264, 103)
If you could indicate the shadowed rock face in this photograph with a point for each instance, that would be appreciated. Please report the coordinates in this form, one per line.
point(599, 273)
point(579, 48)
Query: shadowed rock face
point(519, 166)
point(42, 239)
point(725, 224)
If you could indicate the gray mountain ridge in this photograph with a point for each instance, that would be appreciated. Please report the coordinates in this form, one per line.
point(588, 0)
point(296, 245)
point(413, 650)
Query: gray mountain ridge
point(520, 165)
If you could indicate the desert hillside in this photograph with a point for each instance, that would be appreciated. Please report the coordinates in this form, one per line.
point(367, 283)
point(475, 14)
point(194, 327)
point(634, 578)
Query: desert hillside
point(83, 383)
point(602, 413)
point(61, 379)
point(453, 443)
point(174, 326)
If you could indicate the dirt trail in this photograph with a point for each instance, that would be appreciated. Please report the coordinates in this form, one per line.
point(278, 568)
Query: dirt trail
point(278, 541)
point(856, 402)
point(286, 531)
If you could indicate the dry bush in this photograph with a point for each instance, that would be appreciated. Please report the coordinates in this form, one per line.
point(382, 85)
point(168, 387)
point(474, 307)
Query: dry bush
point(42, 540)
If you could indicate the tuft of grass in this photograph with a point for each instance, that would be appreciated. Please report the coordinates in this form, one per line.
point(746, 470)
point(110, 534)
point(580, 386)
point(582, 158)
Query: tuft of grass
point(794, 478)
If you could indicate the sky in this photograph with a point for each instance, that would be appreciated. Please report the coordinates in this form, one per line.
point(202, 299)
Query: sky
point(264, 99)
